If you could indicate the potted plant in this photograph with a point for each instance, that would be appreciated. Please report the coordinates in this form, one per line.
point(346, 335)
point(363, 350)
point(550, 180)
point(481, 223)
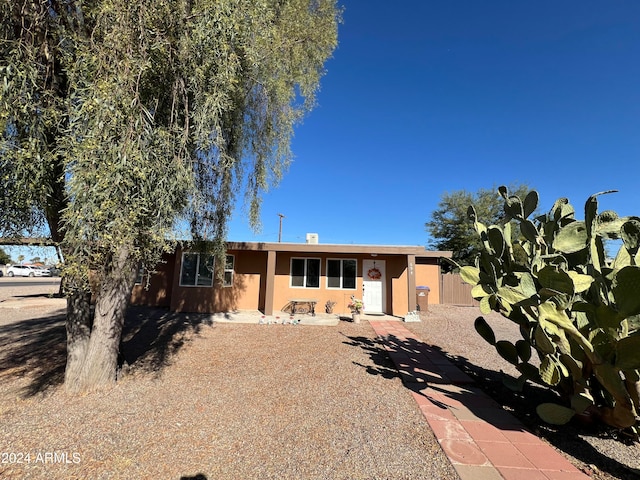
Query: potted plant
point(328, 307)
point(356, 306)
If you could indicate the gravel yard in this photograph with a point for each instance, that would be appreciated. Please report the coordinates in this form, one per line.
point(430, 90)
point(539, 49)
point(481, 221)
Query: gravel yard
point(223, 401)
point(246, 401)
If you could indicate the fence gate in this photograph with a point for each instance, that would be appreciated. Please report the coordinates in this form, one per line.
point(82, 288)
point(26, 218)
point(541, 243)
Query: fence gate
point(455, 291)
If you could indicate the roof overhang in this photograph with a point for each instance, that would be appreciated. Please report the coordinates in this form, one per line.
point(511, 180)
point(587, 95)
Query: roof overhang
point(418, 251)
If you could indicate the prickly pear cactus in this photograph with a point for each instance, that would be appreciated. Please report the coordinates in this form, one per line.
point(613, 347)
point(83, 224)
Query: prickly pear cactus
point(579, 310)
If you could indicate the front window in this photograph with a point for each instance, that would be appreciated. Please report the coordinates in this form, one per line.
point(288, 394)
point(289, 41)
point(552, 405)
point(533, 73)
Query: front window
point(228, 271)
point(140, 275)
point(305, 272)
point(196, 270)
point(341, 273)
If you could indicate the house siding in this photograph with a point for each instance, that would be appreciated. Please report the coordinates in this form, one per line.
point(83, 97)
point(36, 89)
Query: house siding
point(284, 293)
point(428, 275)
point(246, 294)
point(249, 279)
point(251, 287)
point(159, 291)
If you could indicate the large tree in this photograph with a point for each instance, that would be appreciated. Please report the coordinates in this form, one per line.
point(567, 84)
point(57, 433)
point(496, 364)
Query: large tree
point(120, 119)
point(451, 230)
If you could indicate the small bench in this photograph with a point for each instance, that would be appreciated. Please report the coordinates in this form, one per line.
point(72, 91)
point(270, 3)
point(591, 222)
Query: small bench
point(303, 305)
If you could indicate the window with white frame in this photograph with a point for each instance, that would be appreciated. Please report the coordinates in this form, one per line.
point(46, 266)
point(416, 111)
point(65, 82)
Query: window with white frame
point(196, 270)
point(228, 271)
point(140, 276)
point(305, 272)
point(341, 273)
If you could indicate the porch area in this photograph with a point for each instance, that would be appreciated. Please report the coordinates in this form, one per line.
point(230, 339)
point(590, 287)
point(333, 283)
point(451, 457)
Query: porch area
point(280, 317)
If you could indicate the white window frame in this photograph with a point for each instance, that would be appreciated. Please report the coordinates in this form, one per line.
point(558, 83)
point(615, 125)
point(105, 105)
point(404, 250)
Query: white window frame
point(306, 263)
point(342, 260)
point(140, 274)
point(230, 271)
point(199, 256)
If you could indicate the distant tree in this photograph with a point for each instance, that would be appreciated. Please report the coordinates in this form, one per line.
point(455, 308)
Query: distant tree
point(35, 260)
point(4, 257)
point(451, 230)
point(20, 258)
point(120, 119)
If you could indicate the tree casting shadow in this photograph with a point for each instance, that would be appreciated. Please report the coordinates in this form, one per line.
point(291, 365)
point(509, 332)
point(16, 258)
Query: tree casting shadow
point(520, 404)
point(36, 348)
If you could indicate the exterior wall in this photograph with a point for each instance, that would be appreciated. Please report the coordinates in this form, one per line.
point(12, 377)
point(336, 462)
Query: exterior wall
point(428, 274)
point(250, 285)
point(250, 278)
point(247, 292)
point(395, 283)
point(284, 293)
point(158, 294)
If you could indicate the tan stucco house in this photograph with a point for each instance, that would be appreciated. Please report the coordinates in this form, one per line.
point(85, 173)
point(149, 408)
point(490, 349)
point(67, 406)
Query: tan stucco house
point(268, 276)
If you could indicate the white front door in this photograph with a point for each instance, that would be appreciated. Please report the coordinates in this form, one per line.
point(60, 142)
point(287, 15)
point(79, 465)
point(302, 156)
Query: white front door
point(373, 281)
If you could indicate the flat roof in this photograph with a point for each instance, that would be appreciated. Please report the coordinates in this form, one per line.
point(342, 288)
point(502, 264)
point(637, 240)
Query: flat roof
point(416, 250)
point(339, 248)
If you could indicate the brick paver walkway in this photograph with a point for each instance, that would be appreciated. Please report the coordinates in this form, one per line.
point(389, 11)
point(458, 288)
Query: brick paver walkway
point(482, 441)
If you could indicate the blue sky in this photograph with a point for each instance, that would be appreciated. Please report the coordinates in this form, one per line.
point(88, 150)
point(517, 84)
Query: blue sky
point(425, 97)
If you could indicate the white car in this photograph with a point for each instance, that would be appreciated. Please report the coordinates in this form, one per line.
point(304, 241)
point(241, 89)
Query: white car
point(27, 271)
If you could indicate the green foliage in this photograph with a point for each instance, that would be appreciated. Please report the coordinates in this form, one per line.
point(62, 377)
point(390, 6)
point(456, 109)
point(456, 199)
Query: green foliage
point(577, 310)
point(555, 414)
point(4, 257)
point(450, 228)
point(120, 118)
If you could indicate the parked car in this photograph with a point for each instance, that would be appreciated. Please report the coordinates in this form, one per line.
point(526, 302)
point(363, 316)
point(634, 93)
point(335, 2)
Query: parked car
point(27, 271)
point(45, 272)
point(55, 271)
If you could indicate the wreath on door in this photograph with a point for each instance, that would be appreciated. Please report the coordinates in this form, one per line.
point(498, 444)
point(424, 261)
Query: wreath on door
point(374, 274)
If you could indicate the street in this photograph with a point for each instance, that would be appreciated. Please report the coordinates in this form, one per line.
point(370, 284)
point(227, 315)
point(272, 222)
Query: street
point(6, 282)
point(24, 287)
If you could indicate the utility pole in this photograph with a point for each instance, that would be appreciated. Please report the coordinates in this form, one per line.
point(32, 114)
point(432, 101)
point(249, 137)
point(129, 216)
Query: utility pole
point(280, 229)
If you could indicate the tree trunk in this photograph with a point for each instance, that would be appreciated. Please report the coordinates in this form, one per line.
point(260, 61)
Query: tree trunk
point(78, 332)
point(79, 319)
point(101, 352)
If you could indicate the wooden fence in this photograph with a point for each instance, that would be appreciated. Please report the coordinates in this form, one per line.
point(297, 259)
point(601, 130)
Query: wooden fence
point(455, 291)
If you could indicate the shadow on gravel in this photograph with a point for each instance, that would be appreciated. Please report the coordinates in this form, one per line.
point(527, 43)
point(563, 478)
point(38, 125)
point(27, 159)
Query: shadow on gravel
point(38, 295)
point(36, 348)
point(152, 336)
point(199, 476)
point(520, 404)
point(384, 367)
